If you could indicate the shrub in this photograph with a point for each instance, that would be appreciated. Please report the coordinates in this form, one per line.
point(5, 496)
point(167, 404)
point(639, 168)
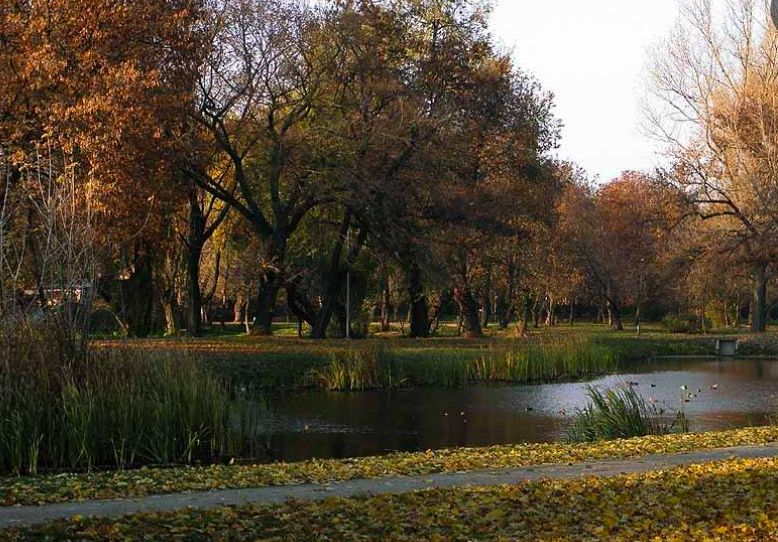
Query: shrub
point(685, 323)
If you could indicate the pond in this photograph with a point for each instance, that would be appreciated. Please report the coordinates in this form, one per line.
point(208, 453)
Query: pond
point(732, 393)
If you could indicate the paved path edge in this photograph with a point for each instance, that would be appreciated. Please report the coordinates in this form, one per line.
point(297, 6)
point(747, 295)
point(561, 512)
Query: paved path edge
point(22, 516)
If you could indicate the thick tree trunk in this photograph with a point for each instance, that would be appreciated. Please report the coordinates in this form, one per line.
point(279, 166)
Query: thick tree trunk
point(194, 244)
point(571, 317)
point(139, 297)
point(614, 312)
point(194, 321)
point(170, 317)
point(331, 297)
point(238, 309)
point(266, 301)
point(759, 319)
point(468, 307)
point(486, 312)
point(419, 314)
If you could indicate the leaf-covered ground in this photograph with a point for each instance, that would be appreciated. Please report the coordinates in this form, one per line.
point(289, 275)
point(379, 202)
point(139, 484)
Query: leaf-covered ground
point(103, 485)
point(734, 500)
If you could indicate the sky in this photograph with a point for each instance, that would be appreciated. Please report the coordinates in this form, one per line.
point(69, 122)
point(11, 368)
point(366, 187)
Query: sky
point(592, 54)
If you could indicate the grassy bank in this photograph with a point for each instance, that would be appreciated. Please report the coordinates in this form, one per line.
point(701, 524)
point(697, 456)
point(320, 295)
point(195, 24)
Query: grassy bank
point(104, 485)
point(733, 500)
point(298, 364)
point(390, 363)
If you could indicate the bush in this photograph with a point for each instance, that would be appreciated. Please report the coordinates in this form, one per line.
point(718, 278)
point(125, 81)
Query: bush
point(685, 323)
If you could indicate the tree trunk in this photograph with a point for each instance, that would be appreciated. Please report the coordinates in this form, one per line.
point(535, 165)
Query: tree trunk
point(759, 319)
point(266, 301)
point(614, 315)
point(170, 317)
point(571, 318)
point(737, 312)
point(386, 301)
point(194, 244)
point(419, 314)
point(726, 313)
point(468, 307)
point(139, 295)
point(194, 322)
point(614, 308)
point(526, 316)
point(507, 301)
point(238, 309)
point(486, 312)
point(551, 313)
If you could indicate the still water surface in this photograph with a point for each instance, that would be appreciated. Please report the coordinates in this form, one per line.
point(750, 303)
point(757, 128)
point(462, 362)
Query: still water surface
point(733, 393)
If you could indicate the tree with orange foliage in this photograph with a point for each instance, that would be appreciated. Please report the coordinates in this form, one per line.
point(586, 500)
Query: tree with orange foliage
point(617, 231)
point(106, 91)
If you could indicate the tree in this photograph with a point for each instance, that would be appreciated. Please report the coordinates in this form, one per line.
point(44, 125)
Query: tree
point(714, 88)
point(617, 231)
point(104, 93)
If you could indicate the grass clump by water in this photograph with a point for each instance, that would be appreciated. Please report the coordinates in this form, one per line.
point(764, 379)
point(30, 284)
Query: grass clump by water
point(109, 409)
point(376, 367)
point(620, 413)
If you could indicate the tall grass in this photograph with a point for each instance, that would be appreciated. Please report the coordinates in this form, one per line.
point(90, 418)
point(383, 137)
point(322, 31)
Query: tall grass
point(620, 413)
point(109, 409)
point(376, 367)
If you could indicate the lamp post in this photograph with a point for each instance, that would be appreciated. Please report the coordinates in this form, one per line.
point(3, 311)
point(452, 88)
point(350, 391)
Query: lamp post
point(348, 284)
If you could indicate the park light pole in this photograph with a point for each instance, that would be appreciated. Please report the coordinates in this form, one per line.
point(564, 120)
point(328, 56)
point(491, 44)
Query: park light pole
point(348, 285)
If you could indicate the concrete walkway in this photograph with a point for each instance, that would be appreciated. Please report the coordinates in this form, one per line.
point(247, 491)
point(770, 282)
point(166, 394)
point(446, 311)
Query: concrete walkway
point(29, 515)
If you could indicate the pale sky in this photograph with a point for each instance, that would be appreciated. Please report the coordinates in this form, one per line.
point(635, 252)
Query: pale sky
point(592, 55)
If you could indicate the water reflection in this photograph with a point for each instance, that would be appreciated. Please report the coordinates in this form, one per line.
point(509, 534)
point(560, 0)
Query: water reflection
point(726, 394)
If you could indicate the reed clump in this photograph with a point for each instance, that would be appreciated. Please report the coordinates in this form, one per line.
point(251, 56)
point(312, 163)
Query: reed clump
point(77, 409)
point(376, 367)
point(621, 413)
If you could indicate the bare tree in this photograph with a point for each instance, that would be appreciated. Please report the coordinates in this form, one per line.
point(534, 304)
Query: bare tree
point(714, 102)
point(47, 263)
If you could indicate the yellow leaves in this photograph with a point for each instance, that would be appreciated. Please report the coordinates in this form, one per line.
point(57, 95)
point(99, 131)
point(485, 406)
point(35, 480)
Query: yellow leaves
point(726, 501)
point(106, 485)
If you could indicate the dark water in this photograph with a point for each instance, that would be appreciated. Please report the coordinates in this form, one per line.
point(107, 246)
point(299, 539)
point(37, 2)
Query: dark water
point(336, 425)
